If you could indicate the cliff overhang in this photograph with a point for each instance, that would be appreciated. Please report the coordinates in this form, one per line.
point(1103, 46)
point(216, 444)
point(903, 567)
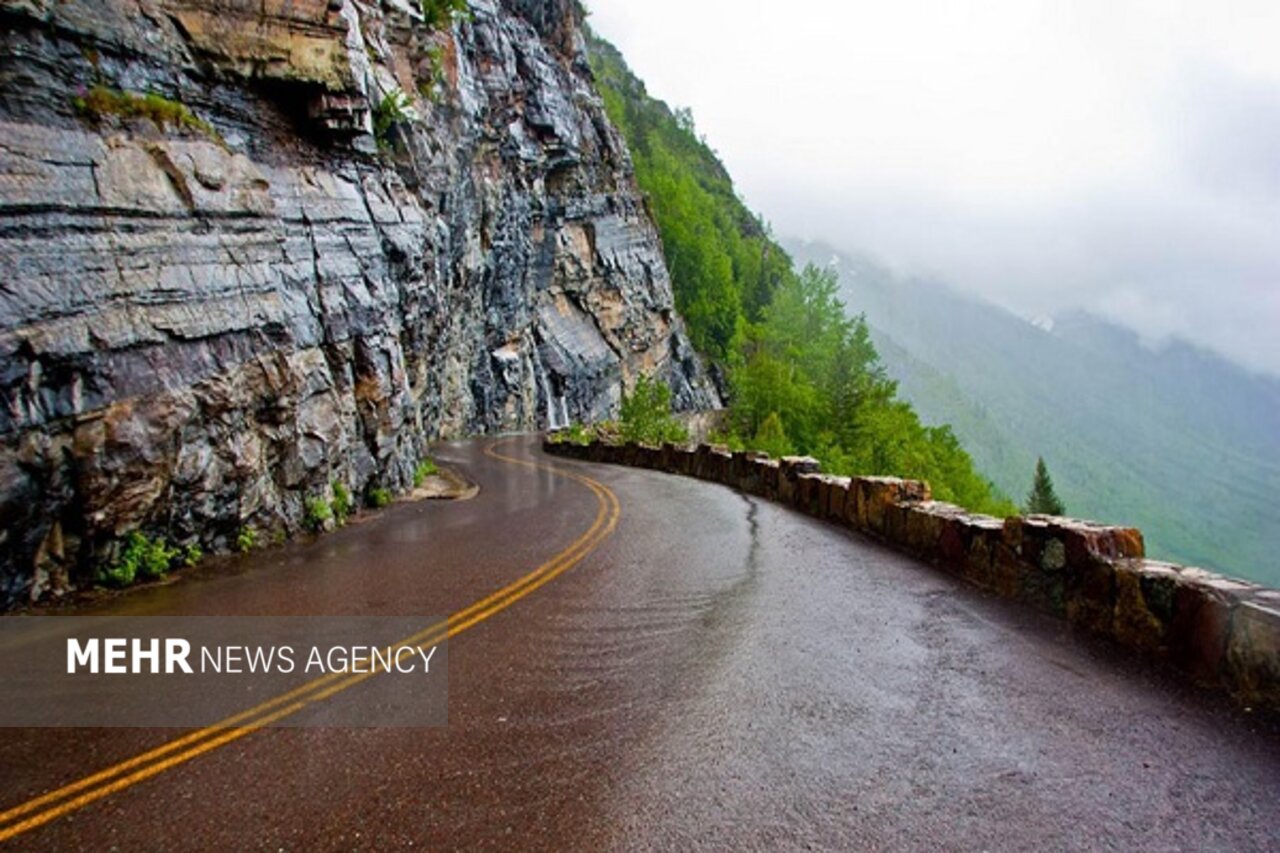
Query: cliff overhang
point(249, 251)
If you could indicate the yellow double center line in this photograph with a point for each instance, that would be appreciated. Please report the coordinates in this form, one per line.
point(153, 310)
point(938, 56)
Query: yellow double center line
point(69, 798)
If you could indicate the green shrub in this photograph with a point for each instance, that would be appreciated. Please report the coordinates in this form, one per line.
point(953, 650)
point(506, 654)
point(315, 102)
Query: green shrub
point(646, 414)
point(124, 571)
point(341, 503)
point(156, 559)
point(442, 13)
point(728, 439)
point(425, 469)
point(246, 539)
point(191, 555)
point(142, 557)
point(393, 109)
point(574, 433)
point(318, 514)
point(429, 87)
point(119, 574)
point(772, 437)
point(100, 101)
point(378, 497)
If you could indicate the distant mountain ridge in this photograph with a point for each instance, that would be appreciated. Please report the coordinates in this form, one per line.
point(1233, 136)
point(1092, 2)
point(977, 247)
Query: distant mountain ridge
point(1177, 441)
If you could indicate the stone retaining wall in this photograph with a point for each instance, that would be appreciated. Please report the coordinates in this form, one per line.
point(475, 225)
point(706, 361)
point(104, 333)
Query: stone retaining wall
point(1221, 631)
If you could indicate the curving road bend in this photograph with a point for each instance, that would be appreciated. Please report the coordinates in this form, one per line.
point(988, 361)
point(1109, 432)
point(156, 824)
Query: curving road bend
point(710, 671)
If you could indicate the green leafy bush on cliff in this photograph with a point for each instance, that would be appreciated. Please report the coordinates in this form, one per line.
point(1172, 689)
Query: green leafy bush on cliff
point(393, 109)
point(646, 414)
point(142, 557)
point(246, 539)
point(442, 13)
point(317, 514)
point(804, 375)
point(429, 86)
point(341, 503)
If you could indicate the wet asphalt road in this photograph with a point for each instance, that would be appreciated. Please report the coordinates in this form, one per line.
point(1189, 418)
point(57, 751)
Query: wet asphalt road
point(720, 672)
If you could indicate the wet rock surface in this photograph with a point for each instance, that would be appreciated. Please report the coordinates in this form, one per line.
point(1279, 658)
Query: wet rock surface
point(202, 323)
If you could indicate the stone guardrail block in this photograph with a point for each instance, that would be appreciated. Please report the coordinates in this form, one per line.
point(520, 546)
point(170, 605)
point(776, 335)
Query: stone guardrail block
point(1252, 663)
point(681, 460)
point(834, 497)
point(1221, 631)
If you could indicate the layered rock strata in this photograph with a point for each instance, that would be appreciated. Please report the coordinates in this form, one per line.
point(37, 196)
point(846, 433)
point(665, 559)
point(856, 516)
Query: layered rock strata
point(250, 249)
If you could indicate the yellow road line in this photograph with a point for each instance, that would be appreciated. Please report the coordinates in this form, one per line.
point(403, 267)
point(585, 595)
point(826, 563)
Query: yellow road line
point(228, 730)
point(319, 682)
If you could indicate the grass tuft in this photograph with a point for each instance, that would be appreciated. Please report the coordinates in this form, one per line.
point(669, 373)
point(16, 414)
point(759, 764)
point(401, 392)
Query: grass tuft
point(101, 102)
point(425, 469)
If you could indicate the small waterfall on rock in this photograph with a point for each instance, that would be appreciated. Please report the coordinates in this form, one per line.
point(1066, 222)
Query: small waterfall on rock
point(557, 407)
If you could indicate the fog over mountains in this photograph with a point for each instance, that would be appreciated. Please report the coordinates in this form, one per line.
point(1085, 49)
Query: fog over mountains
point(1176, 440)
point(1116, 156)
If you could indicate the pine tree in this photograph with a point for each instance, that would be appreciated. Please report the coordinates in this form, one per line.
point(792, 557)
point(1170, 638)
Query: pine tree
point(646, 414)
point(772, 437)
point(1042, 500)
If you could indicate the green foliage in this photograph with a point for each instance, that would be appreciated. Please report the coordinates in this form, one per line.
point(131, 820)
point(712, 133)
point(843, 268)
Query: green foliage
point(392, 110)
point(646, 417)
point(429, 87)
point(723, 263)
point(119, 574)
point(646, 414)
point(377, 497)
point(583, 434)
point(156, 558)
point(1042, 500)
point(317, 514)
point(805, 376)
point(574, 433)
point(729, 439)
point(772, 437)
point(1013, 392)
point(341, 503)
point(442, 13)
point(99, 102)
point(191, 555)
point(246, 539)
point(811, 367)
point(142, 557)
point(426, 468)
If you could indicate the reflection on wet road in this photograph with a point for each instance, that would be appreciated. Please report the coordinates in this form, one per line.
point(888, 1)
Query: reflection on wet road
point(718, 671)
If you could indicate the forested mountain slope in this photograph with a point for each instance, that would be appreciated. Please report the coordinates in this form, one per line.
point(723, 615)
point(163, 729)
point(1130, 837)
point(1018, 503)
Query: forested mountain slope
point(802, 374)
point(1177, 441)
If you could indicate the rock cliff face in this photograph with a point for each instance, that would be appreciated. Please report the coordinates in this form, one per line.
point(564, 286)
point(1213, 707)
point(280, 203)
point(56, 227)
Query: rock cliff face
point(217, 300)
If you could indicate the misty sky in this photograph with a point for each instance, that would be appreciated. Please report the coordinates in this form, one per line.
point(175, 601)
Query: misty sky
point(1116, 155)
